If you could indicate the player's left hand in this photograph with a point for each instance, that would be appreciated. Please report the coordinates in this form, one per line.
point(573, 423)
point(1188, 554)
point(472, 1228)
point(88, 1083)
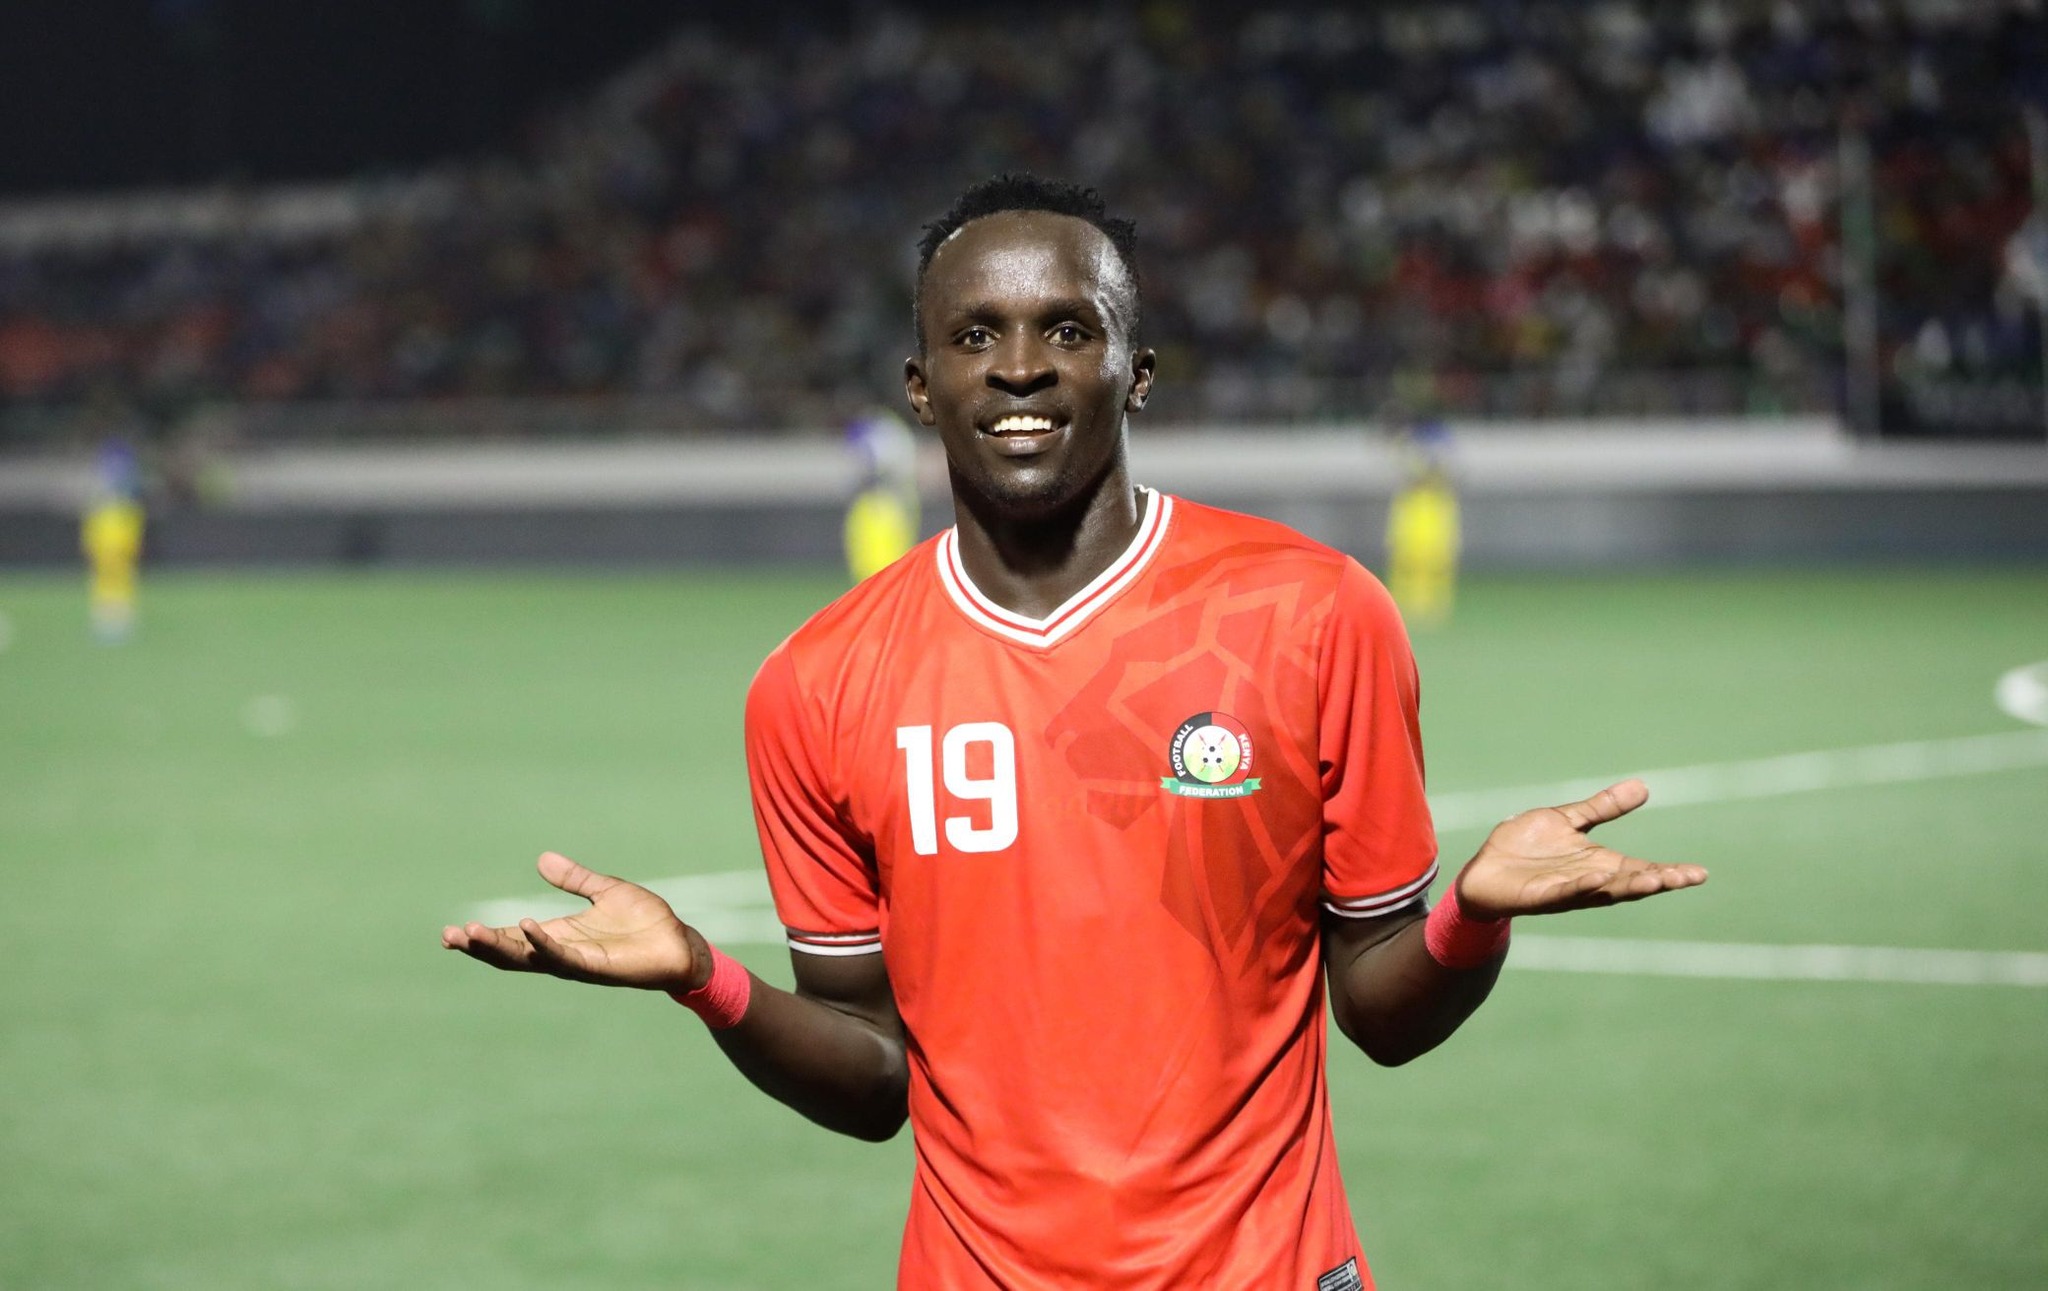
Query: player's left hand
point(1541, 861)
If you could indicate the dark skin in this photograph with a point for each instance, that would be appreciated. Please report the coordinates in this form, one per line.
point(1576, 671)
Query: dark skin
point(1027, 369)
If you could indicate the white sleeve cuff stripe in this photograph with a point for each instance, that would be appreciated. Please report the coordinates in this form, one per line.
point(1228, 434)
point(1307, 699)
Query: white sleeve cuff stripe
point(855, 948)
point(1359, 907)
point(1373, 913)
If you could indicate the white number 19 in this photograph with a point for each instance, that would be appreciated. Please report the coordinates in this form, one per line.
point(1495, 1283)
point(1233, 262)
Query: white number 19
point(998, 789)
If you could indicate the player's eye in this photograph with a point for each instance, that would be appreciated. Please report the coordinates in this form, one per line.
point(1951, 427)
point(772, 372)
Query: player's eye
point(1069, 334)
point(976, 337)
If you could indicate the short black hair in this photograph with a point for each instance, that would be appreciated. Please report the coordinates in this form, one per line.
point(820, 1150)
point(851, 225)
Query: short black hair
point(1021, 191)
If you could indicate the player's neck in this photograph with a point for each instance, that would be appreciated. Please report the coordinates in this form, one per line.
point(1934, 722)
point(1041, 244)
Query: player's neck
point(1032, 566)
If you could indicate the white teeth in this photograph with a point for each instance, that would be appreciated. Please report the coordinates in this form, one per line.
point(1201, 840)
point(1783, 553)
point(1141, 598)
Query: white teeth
point(1011, 424)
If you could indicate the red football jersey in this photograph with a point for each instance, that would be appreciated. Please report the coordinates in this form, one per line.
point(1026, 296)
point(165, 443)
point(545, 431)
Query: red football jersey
point(1092, 849)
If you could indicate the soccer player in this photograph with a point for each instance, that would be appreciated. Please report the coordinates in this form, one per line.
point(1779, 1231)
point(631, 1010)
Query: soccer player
point(881, 520)
point(110, 536)
point(1077, 816)
point(1422, 535)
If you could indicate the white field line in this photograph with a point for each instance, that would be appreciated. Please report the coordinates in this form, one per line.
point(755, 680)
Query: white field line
point(1778, 963)
point(734, 907)
point(1772, 777)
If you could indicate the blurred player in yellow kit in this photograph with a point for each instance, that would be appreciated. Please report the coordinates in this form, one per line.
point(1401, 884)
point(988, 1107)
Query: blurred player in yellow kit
point(1422, 536)
point(882, 519)
point(111, 537)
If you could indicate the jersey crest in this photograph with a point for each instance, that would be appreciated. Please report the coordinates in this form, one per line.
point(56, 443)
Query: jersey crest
point(1211, 757)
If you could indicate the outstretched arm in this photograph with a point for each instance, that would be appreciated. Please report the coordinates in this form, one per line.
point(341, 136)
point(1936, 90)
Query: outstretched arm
point(833, 1049)
point(1396, 1000)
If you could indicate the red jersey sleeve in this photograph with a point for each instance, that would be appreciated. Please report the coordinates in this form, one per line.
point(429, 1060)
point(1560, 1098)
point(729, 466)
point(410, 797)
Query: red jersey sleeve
point(821, 871)
point(1379, 847)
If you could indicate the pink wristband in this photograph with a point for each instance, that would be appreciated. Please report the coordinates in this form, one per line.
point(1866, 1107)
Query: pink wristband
point(721, 1001)
point(1458, 942)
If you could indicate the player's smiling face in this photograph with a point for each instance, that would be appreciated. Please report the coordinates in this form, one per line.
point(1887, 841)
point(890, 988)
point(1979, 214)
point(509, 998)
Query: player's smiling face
point(1027, 365)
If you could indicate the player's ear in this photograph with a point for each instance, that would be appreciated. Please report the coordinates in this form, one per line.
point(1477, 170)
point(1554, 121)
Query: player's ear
point(920, 394)
point(1143, 362)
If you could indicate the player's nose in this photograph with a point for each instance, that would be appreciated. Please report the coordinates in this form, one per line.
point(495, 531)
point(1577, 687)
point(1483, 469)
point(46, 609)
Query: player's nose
point(1020, 366)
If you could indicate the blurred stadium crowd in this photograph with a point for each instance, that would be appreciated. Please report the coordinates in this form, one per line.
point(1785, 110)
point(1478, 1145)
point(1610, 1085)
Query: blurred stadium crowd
point(1483, 208)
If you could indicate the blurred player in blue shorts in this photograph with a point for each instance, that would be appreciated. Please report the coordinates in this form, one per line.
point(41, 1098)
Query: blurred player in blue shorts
point(111, 538)
point(1422, 533)
point(882, 519)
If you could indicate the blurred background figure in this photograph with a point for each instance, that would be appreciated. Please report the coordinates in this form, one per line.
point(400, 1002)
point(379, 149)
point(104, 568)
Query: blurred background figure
point(111, 537)
point(1422, 531)
point(882, 519)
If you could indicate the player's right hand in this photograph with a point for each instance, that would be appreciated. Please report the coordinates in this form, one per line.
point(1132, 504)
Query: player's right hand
point(628, 936)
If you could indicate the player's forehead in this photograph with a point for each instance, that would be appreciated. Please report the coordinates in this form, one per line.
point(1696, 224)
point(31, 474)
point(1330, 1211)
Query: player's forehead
point(1020, 258)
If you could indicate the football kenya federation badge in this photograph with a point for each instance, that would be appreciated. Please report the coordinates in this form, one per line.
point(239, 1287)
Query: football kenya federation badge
point(1211, 756)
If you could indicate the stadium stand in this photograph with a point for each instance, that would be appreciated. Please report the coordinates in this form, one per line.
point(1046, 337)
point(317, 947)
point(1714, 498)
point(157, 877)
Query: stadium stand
point(1478, 209)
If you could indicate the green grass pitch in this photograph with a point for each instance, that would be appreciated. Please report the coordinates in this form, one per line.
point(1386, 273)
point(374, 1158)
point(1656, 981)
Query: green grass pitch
point(235, 1056)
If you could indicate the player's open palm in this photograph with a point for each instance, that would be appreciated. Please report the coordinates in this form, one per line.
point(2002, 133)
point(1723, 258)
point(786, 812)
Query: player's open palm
point(1543, 861)
point(628, 936)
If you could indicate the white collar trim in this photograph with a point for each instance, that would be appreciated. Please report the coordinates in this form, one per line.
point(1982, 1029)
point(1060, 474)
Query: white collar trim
point(1078, 608)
